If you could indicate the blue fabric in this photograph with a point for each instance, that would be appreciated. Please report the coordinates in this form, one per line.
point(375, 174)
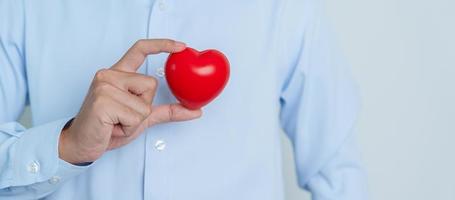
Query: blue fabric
point(286, 74)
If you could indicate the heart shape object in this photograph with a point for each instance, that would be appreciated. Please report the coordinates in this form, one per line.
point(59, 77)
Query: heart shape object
point(196, 78)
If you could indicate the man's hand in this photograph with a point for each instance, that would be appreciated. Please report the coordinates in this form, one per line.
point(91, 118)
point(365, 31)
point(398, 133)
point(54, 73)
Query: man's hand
point(118, 106)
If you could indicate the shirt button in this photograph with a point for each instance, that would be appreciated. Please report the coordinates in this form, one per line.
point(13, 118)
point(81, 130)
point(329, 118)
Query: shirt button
point(159, 72)
point(160, 145)
point(33, 167)
point(54, 180)
point(162, 6)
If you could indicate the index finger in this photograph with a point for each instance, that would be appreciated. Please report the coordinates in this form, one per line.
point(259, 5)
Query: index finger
point(136, 55)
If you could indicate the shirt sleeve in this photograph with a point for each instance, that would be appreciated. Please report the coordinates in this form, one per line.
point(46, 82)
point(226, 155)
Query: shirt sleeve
point(29, 164)
point(319, 107)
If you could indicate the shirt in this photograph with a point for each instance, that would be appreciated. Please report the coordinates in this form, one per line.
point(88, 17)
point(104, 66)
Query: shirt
point(286, 75)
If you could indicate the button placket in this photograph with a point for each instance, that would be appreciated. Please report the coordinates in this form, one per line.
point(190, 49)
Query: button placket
point(160, 145)
point(33, 167)
point(162, 5)
point(160, 72)
point(157, 145)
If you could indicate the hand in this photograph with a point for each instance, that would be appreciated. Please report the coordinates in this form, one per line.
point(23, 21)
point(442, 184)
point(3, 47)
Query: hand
point(118, 106)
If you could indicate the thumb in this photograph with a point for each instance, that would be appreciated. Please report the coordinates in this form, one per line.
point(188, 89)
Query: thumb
point(171, 113)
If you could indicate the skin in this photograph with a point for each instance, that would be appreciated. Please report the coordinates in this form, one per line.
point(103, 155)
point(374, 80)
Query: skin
point(118, 106)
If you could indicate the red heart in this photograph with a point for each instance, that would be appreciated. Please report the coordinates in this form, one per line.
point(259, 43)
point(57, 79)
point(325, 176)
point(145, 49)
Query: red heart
point(196, 78)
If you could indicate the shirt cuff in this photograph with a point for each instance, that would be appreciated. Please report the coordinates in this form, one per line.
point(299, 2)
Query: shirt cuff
point(37, 158)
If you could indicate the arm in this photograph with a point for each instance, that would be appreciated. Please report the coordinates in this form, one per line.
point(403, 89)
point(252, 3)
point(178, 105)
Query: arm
point(117, 108)
point(28, 158)
point(29, 162)
point(319, 109)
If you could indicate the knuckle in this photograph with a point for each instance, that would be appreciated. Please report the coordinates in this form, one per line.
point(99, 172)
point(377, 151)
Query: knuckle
point(148, 110)
point(171, 112)
point(137, 119)
point(140, 43)
point(152, 82)
point(101, 74)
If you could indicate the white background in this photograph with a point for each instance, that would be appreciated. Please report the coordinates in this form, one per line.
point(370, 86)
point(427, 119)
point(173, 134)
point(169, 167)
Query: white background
point(403, 56)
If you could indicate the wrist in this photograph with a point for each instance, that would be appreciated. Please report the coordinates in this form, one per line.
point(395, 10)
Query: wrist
point(71, 149)
point(65, 147)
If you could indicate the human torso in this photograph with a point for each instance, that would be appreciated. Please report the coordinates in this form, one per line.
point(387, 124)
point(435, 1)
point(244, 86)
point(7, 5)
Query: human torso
point(232, 152)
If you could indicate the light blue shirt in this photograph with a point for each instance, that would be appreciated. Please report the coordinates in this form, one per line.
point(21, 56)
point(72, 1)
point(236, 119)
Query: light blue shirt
point(286, 74)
